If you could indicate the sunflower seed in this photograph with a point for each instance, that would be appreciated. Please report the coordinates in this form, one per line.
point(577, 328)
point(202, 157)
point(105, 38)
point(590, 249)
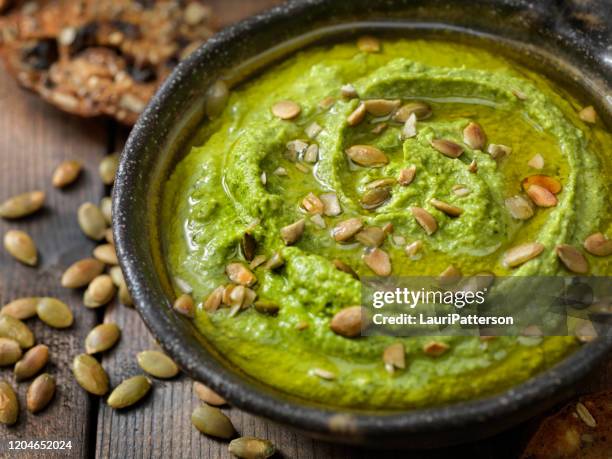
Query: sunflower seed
point(251, 448)
point(448, 209)
point(40, 392)
point(435, 348)
point(22, 205)
point(406, 176)
point(129, 392)
point(286, 109)
point(54, 312)
point(66, 173)
point(240, 274)
point(585, 415)
point(184, 304)
point(541, 196)
point(157, 364)
point(420, 110)
point(100, 291)
point(90, 375)
point(537, 162)
point(371, 236)
point(447, 147)
point(32, 362)
point(425, 220)
point(519, 207)
point(474, 137)
point(15, 329)
point(211, 421)
point(375, 198)
point(290, 234)
point(346, 229)
point(378, 261)
point(588, 114)
point(341, 266)
point(367, 156)
point(106, 207)
point(108, 168)
point(10, 351)
point(572, 258)
point(394, 356)
point(498, 151)
point(21, 246)
point(82, 273)
point(21, 308)
point(331, 205)
point(9, 406)
point(102, 337)
point(91, 220)
point(368, 44)
point(206, 394)
point(595, 244)
point(357, 115)
point(381, 107)
point(522, 253)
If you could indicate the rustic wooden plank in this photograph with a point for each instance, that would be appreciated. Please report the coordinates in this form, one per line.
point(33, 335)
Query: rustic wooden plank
point(34, 139)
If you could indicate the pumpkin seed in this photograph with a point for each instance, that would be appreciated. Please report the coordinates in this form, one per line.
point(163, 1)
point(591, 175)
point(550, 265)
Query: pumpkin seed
point(108, 168)
point(211, 421)
point(409, 129)
point(348, 91)
point(474, 136)
point(323, 374)
point(473, 167)
point(368, 44)
point(157, 364)
point(206, 394)
point(371, 236)
point(184, 304)
point(9, 406)
point(213, 301)
point(421, 110)
point(327, 102)
point(461, 190)
point(66, 173)
point(522, 253)
point(435, 348)
point(54, 313)
point(413, 248)
point(130, 391)
point(106, 206)
point(275, 261)
point(341, 266)
point(22, 205)
point(248, 245)
point(286, 109)
point(375, 198)
point(450, 276)
point(379, 128)
point(91, 220)
point(312, 204)
point(498, 152)
point(381, 107)
point(357, 115)
point(595, 244)
point(551, 184)
point(240, 274)
point(572, 258)
point(519, 207)
point(81, 273)
point(106, 254)
point(102, 337)
point(588, 114)
point(425, 220)
point(585, 415)
point(348, 322)
point(10, 351)
point(125, 298)
point(537, 162)
point(346, 229)
point(448, 209)
point(367, 156)
point(447, 147)
point(108, 236)
point(378, 261)
point(541, 196)
point(331, 205)
point(406, 176)
point(21, 308)
point(117, 276)
point(21, 246)
point(290, 234)
point(216, 96)
point(251, 448)
point(15, 329)
point(394, 356)
point(32, 362)
point(100, 291)
point(90, 375)
point(266, 307)
point(40, 392)
point(318, 220)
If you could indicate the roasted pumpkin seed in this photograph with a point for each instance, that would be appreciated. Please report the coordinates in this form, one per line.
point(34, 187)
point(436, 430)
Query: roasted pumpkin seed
point(240, 274)
point(184, 305)
point(157, 364)
point(211, 421)
point(378, 261)
point(54, 312)
point(381, 107)
point(106, 254)
point(21, 246)
point(357, 115)
point(286, 109)
point(312, 204)
point(102, 337)
point(331, 205)
point(394, 356)
point(425, 220)
point(82, 272)
point(448, 209)
point(588, 114)
point(251, 448)
point(368, 44)
point(596, 244)
point(375, 198)
point(348, 322)
point(40, 392)
point(92, 221)
point(206, 394)
point(9, 406)
point(435, 348)
point(15, 329)
point(572, 258)
point(275, 261)
point(367, 156)
point(447, 147)
point(21, 308)
point(66, 173)
point(346, 229)
point(32, 362)
point(541, 196)
point(522, 253)
point(100, 291)
point(499, 152)
point(22, 205)
point(130, 391)
point(406, 175)
point(90, 375)
point(106, 207)
point(550, 183)
point(108, 168)
point(474, 136)
point(371, 236)
point(420, 110)
point(348, 91)
point(341, 266)
point(519, 207)
point(10, 351)
point(290, 234)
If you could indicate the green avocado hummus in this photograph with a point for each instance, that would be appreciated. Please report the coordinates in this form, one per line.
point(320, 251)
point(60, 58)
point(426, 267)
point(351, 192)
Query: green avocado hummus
point(325, 137)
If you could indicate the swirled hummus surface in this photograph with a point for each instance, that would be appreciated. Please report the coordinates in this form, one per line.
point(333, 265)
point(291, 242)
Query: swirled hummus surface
point(277, 165)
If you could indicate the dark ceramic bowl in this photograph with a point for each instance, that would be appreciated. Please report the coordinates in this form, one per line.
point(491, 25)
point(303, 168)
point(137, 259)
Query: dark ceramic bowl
point(570, 42)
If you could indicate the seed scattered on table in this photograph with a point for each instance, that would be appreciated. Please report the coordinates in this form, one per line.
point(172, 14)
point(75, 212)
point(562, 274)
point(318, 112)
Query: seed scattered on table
point(17, 330)
point(54, 313)
point(102, 337)
point(40, 392)
point(129, 392)
point(21, 308)
point(21, 246)
point(92, 221)
point(10, 351)
point(157, 364)
point(32, 362)
point(106, 254)
point(206, 394)
point(108, 168)
point(106, 207)
point(211, 421)
point(9, 406)
point(81, 273)
point(100, 291)
point(22, 205)
point(251, 448)
point(90, 375)
point(66, 173)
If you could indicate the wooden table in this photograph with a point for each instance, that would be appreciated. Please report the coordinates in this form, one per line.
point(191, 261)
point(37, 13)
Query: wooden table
point(34, 138)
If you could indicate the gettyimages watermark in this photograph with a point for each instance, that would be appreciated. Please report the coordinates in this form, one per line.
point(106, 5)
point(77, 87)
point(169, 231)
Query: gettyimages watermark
point(485, 305)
